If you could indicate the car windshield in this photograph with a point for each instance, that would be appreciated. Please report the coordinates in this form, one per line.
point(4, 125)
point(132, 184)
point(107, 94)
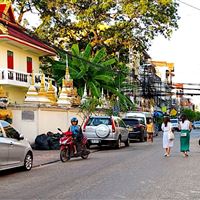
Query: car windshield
point(196, 122)
point(97, 121)
point(4, 124)
point(174, 120)
point(131, 122)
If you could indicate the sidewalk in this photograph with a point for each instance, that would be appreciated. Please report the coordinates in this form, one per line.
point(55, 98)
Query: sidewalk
point(42, 157)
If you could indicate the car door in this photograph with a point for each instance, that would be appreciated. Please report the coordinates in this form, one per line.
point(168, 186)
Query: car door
point(123, 130)
point(4, 146)
point(16, 147)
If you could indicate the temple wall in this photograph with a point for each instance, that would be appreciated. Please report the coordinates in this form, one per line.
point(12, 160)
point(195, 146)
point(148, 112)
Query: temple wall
point(32, 120)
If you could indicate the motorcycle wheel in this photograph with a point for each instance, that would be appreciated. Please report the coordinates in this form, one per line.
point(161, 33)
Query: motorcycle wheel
point(64, 155)
point(84, 156)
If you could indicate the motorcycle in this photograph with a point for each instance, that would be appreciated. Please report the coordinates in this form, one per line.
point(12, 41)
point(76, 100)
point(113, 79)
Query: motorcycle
point(67, 147)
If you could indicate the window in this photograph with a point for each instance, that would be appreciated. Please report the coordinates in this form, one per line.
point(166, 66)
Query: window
point(10, 60)
point(121, 124)
point(29, 65)
point(97, 121)
point(11, 132)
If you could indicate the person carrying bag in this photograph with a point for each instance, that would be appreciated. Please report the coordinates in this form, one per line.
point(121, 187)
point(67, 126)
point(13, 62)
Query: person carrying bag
point(185, 128)
point(171, 135)
point(167, 130)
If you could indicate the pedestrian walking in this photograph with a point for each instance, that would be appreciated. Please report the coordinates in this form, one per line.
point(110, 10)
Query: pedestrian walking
point(150, 130)
point(167, 142)
point(185, 128)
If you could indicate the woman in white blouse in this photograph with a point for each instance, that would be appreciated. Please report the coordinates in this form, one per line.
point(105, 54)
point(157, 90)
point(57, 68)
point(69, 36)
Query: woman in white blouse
point(167, 143)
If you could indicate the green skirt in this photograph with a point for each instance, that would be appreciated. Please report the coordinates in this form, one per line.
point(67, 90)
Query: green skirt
point(185, 141)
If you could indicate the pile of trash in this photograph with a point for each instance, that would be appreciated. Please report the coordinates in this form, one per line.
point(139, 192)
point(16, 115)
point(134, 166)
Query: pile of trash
point(49, 141)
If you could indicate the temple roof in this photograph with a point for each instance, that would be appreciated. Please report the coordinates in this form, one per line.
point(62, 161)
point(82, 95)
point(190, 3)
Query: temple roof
point(13, 31)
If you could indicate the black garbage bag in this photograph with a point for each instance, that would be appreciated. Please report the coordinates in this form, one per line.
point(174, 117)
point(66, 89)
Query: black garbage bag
point(42, 142)
point(54, 141)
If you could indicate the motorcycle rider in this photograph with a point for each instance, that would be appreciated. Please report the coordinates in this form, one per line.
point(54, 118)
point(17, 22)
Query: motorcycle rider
point(77, 133)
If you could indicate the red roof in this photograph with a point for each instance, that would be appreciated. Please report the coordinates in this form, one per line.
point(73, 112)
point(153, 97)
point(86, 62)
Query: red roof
point(7, 13)
point(16, 31)
point(2, 8)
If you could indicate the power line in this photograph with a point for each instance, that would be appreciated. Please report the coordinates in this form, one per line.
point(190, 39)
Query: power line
point(189, 5)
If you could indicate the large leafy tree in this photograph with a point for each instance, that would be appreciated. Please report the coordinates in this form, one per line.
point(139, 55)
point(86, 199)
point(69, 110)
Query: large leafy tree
point(116, 25)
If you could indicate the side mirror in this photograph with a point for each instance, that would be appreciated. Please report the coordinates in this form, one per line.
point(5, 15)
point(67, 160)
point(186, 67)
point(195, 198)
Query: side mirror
point(21, 137)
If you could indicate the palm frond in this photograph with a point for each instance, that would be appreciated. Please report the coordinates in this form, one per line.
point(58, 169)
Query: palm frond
point(105, 78)
point(87, 52)
point(95, 91)
point(109, 62)
point(99, 56)
point(75, 50)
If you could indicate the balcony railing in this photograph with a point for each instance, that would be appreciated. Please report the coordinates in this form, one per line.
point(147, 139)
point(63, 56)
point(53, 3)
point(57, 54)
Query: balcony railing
point(22, 79)
point(13, 77)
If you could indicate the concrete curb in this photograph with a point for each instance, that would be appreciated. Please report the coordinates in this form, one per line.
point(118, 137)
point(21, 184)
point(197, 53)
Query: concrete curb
point(53, 160)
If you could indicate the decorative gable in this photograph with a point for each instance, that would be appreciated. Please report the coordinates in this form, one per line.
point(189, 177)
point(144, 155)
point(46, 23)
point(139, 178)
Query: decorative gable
point(6, 11)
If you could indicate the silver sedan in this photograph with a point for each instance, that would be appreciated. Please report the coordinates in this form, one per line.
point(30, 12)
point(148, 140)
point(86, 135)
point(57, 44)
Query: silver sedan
point(15, 151)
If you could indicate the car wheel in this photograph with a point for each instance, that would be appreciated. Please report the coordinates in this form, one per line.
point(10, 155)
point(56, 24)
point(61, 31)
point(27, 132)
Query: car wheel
point(142, 138)
point(28, 161)
point(118, 143)
point(88, 145)
point(127, 142)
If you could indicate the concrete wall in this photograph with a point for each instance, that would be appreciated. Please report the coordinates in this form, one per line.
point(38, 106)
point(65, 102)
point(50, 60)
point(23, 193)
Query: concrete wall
point(34, 120)
point(15, 94)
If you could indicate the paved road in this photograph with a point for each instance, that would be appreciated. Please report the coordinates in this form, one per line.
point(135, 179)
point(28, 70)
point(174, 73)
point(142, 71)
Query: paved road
point(139, 172)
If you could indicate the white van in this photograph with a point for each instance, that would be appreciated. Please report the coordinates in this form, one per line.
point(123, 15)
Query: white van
point(144, 116)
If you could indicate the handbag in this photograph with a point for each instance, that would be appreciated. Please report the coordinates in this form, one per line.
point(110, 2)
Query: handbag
point(171, 135)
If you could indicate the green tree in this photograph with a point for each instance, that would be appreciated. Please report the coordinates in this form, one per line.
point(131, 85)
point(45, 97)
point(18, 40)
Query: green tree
point(95, 70)
point(116, 25)
point(190, 114)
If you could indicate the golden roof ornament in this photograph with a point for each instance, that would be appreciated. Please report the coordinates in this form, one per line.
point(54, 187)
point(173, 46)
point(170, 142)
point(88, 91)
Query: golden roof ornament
point(51, 93)
point(2, 92)
point(5, 1)
point(3, 29)
point(76, 98)
point(42, 91)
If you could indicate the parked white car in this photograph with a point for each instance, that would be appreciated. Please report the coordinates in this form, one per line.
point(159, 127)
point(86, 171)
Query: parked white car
point(175, 124)
point(106, 130)
point(15, 151)
point(196, 124)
